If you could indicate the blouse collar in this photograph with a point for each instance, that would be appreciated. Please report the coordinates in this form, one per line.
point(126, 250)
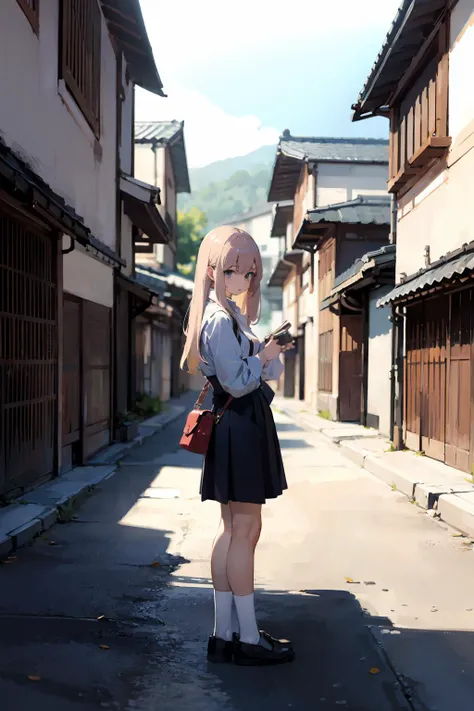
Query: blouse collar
point(233, 306)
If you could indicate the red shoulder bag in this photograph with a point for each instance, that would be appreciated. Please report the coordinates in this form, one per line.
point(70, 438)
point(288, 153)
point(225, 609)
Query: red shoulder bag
point(200, 425)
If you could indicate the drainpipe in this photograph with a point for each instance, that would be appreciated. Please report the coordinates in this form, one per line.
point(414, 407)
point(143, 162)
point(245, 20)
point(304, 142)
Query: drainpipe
point(396, 376)
point(393, 220)
point(155, 163)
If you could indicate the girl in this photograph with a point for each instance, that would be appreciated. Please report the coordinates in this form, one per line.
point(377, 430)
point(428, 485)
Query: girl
point(243, 465)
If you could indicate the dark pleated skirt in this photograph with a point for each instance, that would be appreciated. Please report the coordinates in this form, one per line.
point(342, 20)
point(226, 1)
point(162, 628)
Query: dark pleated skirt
point(243, 462)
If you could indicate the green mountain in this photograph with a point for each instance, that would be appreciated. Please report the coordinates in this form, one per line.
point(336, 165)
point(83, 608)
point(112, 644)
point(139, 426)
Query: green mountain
point(229, 187)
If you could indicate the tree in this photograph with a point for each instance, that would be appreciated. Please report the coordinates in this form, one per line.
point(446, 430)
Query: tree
point(191, 228)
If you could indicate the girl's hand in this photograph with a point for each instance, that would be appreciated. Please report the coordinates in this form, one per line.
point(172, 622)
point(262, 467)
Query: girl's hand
point(271, 351)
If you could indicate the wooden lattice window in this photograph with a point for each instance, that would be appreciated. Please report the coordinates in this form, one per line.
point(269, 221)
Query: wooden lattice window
point(31, 10)
point(80, 31)
point(419, 118)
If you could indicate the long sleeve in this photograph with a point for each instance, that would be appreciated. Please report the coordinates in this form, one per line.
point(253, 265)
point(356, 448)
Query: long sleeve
point(272, 369)
point(237, 375)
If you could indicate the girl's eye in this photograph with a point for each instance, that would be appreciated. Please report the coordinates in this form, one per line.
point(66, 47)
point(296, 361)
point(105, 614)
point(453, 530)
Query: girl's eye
point(228, 273)
point(249, 275)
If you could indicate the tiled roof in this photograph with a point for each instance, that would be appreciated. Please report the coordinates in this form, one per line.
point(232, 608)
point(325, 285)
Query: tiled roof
point(19, 178)
point(413, 23)
point(454, 264)
point(383, 256)
point(293, 151)
point(364, 210)
point(335, 150)
point(167, 133)
point(160, 131)
point(164, 278)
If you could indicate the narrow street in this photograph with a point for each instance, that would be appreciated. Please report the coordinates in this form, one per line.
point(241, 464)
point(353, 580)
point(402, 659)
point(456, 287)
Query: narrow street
point(112, 610)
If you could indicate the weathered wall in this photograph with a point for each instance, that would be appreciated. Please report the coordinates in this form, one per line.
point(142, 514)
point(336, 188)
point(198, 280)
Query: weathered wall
point(380, 358)
point(437, 212)
point(339, 182)
point(42, 122)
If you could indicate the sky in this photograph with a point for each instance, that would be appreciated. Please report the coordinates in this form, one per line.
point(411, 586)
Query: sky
point(240, 73)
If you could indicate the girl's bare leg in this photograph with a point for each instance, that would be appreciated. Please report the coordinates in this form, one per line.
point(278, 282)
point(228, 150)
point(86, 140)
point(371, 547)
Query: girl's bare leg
point(223, 598)
point(246, 524)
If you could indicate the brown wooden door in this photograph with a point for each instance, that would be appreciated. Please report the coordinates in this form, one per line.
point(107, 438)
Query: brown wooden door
point(438, 380)
point(434, 369)
point(412, 376)
point(96, 377)
point(350, 368)
point(458, 406)
point(71, 410)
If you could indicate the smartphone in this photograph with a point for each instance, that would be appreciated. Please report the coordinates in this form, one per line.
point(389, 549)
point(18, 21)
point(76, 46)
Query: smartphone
point(284, 338)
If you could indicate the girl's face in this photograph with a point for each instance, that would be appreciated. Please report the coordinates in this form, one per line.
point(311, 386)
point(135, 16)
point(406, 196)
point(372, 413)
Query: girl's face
point(235, 282)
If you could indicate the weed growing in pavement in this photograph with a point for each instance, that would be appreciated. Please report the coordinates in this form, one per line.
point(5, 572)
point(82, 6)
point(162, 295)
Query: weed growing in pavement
point(324, 414)
point(394, 487)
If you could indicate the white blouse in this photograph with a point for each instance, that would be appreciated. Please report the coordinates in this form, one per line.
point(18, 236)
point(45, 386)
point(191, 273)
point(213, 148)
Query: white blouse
point(237, 371)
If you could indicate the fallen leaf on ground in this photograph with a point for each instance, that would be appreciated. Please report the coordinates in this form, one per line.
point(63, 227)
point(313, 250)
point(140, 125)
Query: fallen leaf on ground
point(457, 535)
point(101, 618)
point(34, 677)
point(374, 670)
point(348, 580)
point(156, 564)
point(104, 647)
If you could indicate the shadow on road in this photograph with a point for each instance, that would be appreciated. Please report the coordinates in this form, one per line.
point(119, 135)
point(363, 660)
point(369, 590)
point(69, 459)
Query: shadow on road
point(97, 614)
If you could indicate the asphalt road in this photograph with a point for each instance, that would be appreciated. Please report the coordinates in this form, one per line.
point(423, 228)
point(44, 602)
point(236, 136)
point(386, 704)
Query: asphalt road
point(112, 610)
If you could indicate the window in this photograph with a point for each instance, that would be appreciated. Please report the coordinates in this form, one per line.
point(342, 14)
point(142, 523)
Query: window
point(327, 258)
point(325, 361)
point(419, 118)
point(31, 10)
point(80, 34)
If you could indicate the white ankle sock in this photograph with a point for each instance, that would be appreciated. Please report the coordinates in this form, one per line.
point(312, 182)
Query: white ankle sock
point(223, 615)
point(245, 606)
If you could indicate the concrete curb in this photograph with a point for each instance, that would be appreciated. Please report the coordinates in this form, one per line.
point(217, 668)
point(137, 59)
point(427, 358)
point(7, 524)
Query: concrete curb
point(452, 499)
point(35, 512)
point(147, 429)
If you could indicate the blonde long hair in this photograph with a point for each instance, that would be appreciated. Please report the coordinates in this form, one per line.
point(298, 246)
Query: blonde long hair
point(223, 248)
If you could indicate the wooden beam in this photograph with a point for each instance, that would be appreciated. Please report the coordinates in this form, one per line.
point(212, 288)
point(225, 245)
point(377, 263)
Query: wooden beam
point(414, 64)
point(121, 27)
point(133, 48)
point(110, 8)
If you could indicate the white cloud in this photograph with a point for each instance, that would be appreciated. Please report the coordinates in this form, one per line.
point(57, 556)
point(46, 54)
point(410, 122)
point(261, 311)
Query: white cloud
point(193, 38)
point(210, 133)
point(189, 31)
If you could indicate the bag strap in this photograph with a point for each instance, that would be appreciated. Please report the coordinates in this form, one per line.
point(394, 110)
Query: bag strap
point(219, 416)
point(202, 395)
point(204, 391)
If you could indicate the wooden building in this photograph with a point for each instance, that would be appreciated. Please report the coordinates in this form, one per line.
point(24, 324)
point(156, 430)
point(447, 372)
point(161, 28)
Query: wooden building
point(422, 82)
point(311, 174)
point(341, 234)
point(66, 240)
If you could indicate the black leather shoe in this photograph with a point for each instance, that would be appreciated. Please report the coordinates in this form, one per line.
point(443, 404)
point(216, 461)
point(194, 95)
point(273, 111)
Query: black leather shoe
point(219, 651)
point(271, 640)
point(249, 655)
